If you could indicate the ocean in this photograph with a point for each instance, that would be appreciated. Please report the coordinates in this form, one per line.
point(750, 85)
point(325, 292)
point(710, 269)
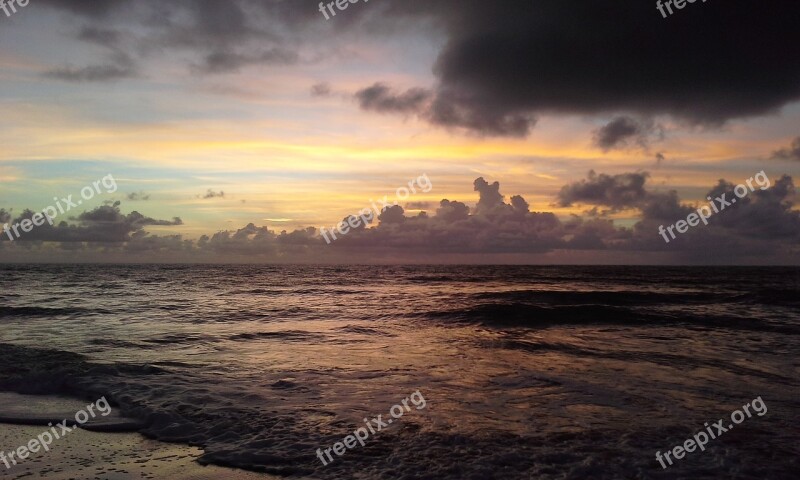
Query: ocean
point(528, 372)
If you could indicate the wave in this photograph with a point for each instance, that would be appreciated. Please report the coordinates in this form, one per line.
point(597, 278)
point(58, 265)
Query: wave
point(324, 291)
point(364, 331)
point(433, 278)
point(180, 338)
point(537, 316)
point(254, 291)
point(773, 296)
point(44, 311)
point(609, 298)
point(43, 371)
point(517, 314)
point(674, 360)
point(172, 408)
point(288, 335)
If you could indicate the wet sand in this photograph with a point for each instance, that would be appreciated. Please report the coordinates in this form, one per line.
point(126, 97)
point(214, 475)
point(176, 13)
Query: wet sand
point(108, 448)
point(109, 456)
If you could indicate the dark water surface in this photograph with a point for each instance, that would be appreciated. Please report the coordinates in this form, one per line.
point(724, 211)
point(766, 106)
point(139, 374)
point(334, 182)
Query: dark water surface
point(528, 372)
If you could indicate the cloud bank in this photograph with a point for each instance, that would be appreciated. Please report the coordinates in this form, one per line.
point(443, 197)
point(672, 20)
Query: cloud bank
point(763, 226)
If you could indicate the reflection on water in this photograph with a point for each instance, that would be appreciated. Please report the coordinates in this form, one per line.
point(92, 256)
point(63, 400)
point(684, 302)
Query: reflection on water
point(529, 372)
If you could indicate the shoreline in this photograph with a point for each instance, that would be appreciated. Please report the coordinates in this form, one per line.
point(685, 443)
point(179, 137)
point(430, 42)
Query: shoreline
point(111, 456)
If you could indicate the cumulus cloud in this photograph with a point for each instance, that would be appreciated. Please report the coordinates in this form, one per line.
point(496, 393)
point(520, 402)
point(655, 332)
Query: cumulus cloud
point(615, 191)
point(763, 213)
point(104, 224)
point(664, 206)
point(489, 196)
point(248, 240)
point(764, 223)
point(392, 214)
point(452, 212)
point(519, 204)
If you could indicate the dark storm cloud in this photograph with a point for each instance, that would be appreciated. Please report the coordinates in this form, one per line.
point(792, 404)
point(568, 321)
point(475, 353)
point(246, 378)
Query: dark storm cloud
point(460, 112)
point(443, 111)
point(615, 191)
point(624, 132)
point(504, 64)
point(790, 153)
point(719, 61)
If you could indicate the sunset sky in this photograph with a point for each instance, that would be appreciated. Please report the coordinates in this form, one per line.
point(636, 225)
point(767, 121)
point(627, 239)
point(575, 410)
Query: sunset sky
point(229, 113)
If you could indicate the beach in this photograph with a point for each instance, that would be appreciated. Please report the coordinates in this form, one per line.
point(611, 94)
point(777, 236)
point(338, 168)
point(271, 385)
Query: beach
point(112, 456)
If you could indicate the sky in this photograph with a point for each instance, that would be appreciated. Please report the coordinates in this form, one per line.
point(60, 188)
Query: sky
point(546, 131)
